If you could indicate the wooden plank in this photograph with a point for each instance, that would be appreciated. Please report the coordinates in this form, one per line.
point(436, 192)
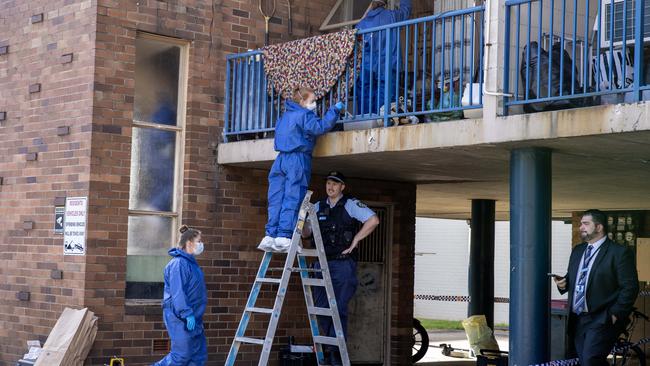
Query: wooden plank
point(643, 258)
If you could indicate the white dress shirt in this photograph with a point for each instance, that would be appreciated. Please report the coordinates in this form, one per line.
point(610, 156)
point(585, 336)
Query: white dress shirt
point(596, 249)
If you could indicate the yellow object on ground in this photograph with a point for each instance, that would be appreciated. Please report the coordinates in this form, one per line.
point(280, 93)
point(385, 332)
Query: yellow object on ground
point(479, 335)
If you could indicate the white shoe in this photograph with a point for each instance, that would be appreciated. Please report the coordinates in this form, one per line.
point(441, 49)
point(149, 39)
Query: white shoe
point(281, 245)
point(266, 244)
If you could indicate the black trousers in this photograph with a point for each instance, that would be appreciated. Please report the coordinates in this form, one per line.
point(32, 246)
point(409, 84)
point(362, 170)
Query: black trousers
point(594, 338)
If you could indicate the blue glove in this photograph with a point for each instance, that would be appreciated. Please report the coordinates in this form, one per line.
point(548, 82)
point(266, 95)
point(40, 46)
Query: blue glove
point(340, 106)
point(190, 322)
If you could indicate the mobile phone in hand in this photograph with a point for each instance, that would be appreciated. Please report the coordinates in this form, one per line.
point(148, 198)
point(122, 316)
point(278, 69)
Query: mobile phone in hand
point(556, 276)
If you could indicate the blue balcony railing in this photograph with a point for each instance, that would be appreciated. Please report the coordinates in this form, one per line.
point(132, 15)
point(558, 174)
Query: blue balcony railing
point(570, 53)
point(434, 61)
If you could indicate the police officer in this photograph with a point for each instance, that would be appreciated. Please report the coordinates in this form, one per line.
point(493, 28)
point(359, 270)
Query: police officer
point(339, 217)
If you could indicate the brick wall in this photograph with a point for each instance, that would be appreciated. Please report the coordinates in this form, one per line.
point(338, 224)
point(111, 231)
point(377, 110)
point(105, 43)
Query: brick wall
point(229, 216)
point(94, 96)
point(242, 235)
point(41, 89)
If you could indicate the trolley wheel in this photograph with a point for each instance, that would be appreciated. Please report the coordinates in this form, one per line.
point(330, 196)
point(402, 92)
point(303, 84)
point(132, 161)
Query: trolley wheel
point(420, 341)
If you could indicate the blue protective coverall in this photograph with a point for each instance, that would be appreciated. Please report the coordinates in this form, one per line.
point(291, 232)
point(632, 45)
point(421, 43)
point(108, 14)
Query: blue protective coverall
point(372, 79)
point(295, 135)
point(185, 295)
point(158, 150)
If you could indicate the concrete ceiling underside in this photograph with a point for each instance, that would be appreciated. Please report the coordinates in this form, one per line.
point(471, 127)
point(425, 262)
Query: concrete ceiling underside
point(609, 171)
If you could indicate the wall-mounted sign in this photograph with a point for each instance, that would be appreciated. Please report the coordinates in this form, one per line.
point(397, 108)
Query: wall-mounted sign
point(59, 217)
point(74, 233)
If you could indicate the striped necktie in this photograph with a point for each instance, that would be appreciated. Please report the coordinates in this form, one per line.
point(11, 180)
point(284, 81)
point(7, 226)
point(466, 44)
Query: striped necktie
point(579, 302)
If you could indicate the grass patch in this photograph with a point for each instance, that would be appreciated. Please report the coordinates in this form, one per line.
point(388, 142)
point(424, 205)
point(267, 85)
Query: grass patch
point(438, 324)
point(431, 324)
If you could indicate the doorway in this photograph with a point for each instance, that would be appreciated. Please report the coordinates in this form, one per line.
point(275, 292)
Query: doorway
point(369, 309)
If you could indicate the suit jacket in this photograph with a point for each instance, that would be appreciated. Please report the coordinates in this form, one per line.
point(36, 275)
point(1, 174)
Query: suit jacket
point(612, 286)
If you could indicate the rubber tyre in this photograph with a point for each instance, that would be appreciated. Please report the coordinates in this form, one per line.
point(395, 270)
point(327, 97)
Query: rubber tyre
point(420, 341)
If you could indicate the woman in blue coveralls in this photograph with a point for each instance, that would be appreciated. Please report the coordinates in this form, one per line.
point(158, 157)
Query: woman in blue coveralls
point(295, 135)
point(184, 303)
point(370, 100)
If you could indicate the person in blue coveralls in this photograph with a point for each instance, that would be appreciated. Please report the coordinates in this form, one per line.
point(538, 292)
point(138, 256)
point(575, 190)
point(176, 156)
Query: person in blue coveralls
point(184, 303)
point(339, 217)
point(295, 135)
point(158, 154)
point(372, 79)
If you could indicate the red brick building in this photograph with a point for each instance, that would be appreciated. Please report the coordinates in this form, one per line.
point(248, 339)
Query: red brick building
point(77, 82)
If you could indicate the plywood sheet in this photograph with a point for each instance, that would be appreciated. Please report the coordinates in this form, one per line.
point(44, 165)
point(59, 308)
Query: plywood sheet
point(643, 259)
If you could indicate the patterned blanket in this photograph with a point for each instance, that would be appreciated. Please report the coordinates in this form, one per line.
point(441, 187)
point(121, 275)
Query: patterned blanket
point(317, 62)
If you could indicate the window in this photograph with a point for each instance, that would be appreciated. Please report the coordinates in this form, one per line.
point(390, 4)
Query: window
point(156, 162)
point(345, 13)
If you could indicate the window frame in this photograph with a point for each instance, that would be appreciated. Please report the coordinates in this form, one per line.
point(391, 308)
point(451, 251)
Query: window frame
point(180, 131)
point(326, 26)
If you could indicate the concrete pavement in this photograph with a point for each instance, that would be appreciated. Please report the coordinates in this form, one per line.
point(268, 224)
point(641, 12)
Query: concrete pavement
point(457, 339)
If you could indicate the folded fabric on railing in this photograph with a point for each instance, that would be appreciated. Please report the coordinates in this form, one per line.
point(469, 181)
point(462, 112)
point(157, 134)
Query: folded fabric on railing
point(317, 62)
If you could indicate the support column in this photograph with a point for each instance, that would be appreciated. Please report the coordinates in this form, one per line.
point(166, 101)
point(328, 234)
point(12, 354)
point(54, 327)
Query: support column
point(481, 261)
point(530, 255)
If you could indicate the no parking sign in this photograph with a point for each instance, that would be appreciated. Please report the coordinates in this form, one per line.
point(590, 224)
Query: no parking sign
point(74, 233)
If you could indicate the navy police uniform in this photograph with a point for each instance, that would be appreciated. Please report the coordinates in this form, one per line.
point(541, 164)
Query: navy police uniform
point(338, 225)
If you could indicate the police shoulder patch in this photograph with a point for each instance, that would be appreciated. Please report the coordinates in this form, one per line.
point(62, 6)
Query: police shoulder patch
point(359, 203)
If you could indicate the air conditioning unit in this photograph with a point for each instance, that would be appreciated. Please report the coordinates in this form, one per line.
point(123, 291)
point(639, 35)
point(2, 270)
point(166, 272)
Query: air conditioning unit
point(606, 36)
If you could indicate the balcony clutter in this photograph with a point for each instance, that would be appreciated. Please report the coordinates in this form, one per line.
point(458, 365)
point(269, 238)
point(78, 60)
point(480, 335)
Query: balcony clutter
point(537, 78)
point(595, 54)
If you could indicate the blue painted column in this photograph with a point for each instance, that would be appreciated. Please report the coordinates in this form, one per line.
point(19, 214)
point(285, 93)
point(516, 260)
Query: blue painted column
point(481, 261)
point(530, 255)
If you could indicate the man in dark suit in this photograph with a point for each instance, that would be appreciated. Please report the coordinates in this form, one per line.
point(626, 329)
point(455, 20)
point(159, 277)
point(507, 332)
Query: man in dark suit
point(602, 283)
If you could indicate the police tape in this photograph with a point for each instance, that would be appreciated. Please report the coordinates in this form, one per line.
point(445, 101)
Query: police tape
point(568, 362)
point(624, 349)
point(460, 298)
point(452, 298)
point(620, 350)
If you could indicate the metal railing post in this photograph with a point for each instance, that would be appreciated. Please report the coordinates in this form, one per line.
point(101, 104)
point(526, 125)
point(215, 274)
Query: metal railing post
point(638, 48)
point(506, 61)
point(226, 113)
point(387, 76)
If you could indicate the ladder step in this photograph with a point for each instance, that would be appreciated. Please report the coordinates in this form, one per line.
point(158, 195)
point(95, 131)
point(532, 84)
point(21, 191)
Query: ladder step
point(260, 310)
point(298, 269)
point(326, 340)
point(313, 282)
point(319, 311)
point(309, 253)
point(268, 280)
point(250, 340)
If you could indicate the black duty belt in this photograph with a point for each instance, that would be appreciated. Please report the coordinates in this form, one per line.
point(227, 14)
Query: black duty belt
point(336, 257)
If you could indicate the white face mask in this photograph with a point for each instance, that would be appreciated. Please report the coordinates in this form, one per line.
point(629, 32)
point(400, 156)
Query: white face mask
point(312, 106)
point(198, 249)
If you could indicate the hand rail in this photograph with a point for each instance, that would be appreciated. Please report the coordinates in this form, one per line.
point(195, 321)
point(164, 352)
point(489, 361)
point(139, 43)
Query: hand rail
point(419, 68)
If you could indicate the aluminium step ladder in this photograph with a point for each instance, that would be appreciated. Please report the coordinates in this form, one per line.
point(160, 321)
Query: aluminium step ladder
point(307, 212)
